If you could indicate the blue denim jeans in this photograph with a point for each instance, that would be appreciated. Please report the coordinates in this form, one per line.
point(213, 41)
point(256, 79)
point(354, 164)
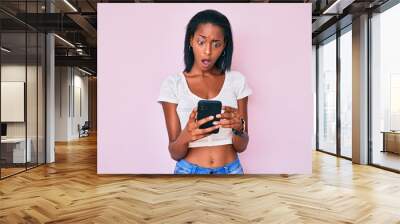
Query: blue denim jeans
point(185, 167)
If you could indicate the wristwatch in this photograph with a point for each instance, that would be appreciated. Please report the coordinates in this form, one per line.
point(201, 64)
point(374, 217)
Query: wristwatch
point(241, 131)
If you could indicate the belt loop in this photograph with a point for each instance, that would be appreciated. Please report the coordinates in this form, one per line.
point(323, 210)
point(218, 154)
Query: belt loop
point(226, 169)
point(193, 170)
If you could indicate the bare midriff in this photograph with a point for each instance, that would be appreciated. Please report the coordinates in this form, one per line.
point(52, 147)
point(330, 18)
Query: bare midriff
point(211, 156)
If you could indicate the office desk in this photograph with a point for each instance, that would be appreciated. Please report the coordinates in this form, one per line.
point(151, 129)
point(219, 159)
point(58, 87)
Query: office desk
point(391, 141)
point(13, 150)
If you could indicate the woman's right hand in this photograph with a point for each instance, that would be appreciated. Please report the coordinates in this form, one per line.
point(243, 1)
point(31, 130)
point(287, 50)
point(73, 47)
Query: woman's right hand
point(192, 129)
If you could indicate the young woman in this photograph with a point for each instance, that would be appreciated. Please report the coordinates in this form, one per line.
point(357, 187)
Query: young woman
point(207, 55)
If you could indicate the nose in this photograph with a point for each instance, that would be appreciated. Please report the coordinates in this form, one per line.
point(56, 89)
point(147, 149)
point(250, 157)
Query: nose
point(207, 49)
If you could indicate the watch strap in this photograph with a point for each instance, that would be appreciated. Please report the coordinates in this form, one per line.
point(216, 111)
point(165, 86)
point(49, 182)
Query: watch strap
point(241, 131)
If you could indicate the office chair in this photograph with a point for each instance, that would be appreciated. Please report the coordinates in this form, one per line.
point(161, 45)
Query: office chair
point(84, 130)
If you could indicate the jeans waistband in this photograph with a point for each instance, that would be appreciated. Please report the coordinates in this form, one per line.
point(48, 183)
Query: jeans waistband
point(187, 163)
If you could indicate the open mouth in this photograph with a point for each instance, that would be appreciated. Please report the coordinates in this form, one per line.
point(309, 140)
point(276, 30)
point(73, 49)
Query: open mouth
point(206, 62)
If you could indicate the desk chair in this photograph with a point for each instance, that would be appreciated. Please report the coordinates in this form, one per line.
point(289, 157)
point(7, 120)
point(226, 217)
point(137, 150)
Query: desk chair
point(84, 130)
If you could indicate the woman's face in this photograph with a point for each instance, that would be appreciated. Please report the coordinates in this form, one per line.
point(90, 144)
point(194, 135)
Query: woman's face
point(207, 44)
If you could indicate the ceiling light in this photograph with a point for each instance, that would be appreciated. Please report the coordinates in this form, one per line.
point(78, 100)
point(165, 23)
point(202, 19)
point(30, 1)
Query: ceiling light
point(338, 6)
point(70, 5)
point(5, 50)
point(64, 40)
point(84, 71)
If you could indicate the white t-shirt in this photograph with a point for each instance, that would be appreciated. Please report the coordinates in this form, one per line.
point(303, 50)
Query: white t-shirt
point(174, 89)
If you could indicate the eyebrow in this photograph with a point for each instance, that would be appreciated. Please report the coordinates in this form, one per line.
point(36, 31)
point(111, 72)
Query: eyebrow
point(206, 38)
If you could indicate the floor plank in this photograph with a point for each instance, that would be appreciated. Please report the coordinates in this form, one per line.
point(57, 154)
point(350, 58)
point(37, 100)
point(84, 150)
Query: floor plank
point(70, 191)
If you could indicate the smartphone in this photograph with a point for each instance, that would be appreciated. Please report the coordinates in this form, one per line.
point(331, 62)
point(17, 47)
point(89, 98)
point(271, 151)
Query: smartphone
point(206, 108)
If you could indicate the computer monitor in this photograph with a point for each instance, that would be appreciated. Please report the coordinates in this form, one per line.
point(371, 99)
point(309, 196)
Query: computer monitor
point(3, 129)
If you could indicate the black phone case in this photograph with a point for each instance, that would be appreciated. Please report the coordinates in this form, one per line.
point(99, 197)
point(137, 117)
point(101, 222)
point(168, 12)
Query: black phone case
point(206, 108)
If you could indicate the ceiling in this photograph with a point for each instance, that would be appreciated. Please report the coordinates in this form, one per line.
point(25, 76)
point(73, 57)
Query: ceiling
point(76, 22)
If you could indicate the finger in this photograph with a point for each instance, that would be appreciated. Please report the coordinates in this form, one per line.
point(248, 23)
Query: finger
point(228, 126)
point(225, 122)
point(229, 109)
point(207, 130)
point(205, 120)
point(192, 126)
point(226, 115)
point(192, 116)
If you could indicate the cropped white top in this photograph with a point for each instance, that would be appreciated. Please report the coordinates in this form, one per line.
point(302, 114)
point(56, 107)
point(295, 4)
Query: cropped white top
point(174, 89)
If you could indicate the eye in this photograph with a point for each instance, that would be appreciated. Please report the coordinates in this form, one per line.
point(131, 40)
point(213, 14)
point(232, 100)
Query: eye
point(217, 44)
point(200, 41)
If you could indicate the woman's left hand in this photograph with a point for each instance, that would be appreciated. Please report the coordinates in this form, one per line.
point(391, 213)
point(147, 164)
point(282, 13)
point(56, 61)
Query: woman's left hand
point(230, 118)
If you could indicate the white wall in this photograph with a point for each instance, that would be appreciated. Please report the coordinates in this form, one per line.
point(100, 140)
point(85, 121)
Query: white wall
point(81, 103)
point(71, 93)
point(62, 81)
point(33, 127)
point(15, 72)
point(12, 73)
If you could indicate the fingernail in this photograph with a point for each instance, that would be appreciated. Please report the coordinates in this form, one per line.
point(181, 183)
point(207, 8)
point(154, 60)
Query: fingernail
point(215, 122)
point(218, 115)
point(211, 117)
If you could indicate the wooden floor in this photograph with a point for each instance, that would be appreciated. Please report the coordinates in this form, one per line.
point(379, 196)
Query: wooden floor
point(5, 172)
point(70, 191)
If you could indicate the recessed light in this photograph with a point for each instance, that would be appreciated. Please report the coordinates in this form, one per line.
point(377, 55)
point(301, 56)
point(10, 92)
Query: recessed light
point(337, 7)
point(64, 40)
point(70, 5)
point(5, 50)
point(84, 71)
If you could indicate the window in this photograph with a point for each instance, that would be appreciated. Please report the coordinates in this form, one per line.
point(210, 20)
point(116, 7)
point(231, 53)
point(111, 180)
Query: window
point(346, 93)
point(327, 95)
point(385, 88)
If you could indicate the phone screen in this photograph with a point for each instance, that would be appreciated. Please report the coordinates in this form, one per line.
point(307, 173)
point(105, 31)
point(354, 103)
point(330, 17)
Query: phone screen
point(206, 108)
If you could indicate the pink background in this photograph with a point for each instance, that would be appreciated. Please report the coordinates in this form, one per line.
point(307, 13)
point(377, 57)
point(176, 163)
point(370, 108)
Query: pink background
point(140, 44)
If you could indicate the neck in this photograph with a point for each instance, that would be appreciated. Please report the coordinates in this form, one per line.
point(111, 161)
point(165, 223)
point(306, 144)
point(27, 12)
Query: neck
point(197, 71)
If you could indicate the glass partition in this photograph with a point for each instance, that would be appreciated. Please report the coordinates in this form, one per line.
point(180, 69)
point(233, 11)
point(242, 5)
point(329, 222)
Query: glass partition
point(14, 153)
point(327, 95)
point(346, 93)
point(385, 89)
point(32, 96)
point(41, 87)
point(22, 77)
